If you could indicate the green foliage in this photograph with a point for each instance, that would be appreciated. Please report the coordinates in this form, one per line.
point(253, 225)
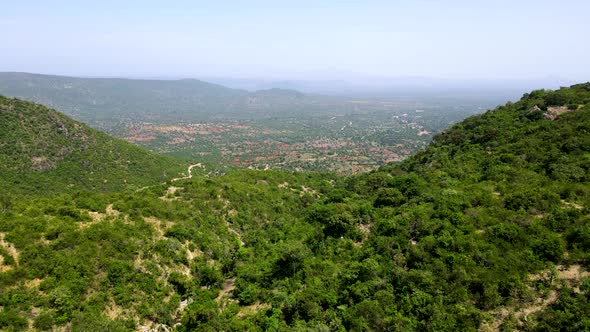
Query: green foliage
point(43, 151)
point(91, 322)
point(569, 313)
point(437, 243)
point(44, 321)
point(11, 320)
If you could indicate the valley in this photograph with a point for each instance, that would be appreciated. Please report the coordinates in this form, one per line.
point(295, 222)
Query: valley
point(340, 143)
point(304, 166)
point(237, 129)
point(485, 228)
point(345, 143)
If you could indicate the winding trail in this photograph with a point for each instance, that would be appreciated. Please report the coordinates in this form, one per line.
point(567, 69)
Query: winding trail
point(190, 175)
point(190, 172)
point(228, 286)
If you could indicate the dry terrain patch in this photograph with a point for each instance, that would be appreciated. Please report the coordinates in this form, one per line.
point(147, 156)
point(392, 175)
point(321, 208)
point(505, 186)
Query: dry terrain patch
point(169, 196)
point(555, 111)
point(190, 172)
point(99, 217)
point(569, 276)
point(228, 286)
point(252, 309)
point(11, 251)
point(159, 226)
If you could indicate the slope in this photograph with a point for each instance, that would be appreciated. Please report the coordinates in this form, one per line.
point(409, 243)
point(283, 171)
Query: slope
point(43, 151)
point(486, 229)
point(111, 100)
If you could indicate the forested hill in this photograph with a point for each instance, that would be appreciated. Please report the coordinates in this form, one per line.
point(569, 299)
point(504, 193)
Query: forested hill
point(43, 151)
point(111, 100)
point(487, 229)
point(490, 222)
point(545, 133)
point(90, 99)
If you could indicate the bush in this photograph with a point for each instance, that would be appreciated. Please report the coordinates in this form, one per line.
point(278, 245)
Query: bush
point(389, 197)
point(44, 321)
point(11, 318)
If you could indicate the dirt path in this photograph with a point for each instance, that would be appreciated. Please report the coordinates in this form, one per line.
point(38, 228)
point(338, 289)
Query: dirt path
point(190, 176)
point(228, 286)
point(570, 276)
point(233, 231)
point(190, 172)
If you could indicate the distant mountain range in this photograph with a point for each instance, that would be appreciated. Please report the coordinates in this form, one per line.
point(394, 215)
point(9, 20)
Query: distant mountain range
point(103, 102)
point(365, 86)
point(110, 99)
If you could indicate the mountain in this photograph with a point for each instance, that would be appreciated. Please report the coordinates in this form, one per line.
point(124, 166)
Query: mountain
point(376, 87)
point(98, 100)
point(108, 98)
point(486, 229)
point(44, 151)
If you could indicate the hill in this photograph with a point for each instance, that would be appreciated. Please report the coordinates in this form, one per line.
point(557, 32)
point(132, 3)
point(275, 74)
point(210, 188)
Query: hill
point(44, 151)
point(486, 229)
point(95, 100)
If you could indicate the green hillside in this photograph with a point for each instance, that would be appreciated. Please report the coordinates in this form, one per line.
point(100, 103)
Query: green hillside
point(43, 151)
point(108, 101)
point(486, 229)
point(99, 99)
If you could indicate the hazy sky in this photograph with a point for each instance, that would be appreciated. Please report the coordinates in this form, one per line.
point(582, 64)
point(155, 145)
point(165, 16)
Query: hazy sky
point(312, 39)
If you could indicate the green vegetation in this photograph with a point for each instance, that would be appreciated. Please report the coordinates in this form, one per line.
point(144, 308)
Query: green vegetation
point(112, 100)
point(43, 151)
point(485, 229)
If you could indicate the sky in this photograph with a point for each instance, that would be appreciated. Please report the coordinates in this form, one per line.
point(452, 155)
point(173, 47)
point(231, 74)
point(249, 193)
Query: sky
point(330, 39)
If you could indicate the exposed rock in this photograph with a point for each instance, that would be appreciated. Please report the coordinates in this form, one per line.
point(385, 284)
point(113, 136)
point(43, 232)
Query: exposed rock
point(554, 111)
point(41, 164)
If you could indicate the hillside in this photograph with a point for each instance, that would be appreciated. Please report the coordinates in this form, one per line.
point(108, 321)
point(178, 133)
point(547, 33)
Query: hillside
point(44, 151)
point(486, 229)
point(96, 100)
